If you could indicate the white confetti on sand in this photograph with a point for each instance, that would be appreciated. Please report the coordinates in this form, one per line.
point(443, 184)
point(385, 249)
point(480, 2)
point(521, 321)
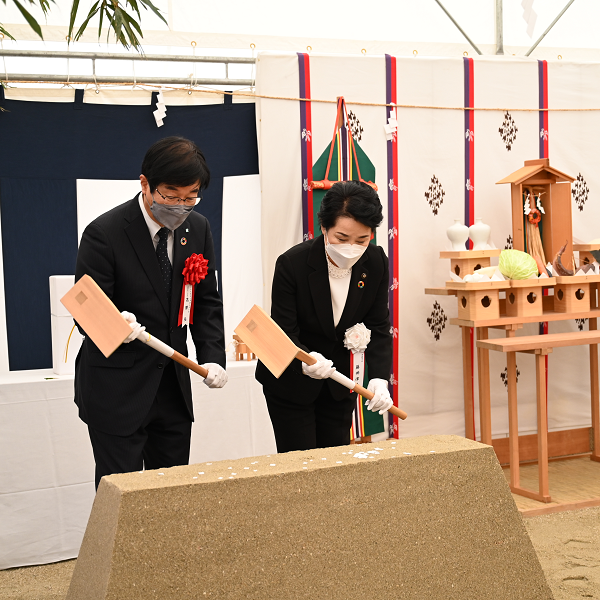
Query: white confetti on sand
point(246, 468)
point(408, 453)
point(231, 478)
point(304, 463)
point(219, 478)
point(161, 473)
point(372, 452)
point(200, 472)
point(305, 467)
point(432, 452)
point(393, 442)
point(234, 473)
point(361, 455)
point(338, 462)
point(255, 470)
point(323, 459)
point(195, 477)
point(378, 448)
point(229, 467)
point(272, 465)
point(209, 463)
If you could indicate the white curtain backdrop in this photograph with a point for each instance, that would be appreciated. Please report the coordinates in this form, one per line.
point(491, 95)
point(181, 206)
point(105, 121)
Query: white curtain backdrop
point(431, 143)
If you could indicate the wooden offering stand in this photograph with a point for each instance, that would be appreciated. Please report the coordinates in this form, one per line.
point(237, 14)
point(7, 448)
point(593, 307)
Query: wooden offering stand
point(466, 262)
point(525, 298)
point(242, 349)
point(574, 297)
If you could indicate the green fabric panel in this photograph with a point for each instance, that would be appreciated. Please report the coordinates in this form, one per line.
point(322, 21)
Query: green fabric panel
point(373, 420)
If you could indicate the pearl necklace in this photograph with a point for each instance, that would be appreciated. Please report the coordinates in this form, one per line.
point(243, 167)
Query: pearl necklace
point(334, 271)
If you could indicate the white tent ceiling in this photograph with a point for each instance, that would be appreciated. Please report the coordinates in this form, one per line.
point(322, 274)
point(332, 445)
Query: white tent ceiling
point(376, 26)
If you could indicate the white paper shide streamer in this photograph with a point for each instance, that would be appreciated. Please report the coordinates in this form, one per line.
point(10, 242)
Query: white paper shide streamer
point(187, 304)
point(161, 110)
point(356, 340)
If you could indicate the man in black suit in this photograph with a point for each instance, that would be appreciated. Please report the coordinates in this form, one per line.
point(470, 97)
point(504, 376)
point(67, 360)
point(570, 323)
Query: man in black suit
point(137, 403)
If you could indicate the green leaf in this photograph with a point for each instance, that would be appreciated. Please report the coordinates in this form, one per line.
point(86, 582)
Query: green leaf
point(6, 33)
point(74, 8)
point(147, 4)
point(30, 20)
point(81, 29)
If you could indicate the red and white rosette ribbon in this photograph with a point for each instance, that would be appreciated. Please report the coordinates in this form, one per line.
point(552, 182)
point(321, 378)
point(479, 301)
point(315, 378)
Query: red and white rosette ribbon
point(356, 340)
point(195, 270)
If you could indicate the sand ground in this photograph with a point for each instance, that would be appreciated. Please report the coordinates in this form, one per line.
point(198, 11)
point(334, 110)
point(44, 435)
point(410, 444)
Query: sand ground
point(567, 544)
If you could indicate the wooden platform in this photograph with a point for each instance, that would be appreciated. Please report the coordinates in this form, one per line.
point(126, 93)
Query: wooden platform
point(574, 483)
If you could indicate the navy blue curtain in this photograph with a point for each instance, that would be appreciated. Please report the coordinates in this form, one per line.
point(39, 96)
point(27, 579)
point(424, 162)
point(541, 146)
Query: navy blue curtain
point(46, 147)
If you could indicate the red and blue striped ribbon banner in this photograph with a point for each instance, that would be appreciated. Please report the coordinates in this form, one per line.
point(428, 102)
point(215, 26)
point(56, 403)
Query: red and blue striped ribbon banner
point(543, 116)
point(393, 252)
point(306, 146)
point(470, 183)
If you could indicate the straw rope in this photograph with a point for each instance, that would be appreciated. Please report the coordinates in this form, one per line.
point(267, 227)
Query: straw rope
point(322, 101)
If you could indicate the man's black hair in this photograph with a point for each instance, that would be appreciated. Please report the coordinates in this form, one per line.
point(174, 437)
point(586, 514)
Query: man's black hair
point(353, 199)
point(175, 161)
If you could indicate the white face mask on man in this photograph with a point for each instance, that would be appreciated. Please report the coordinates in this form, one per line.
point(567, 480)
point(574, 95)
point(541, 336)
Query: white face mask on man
point(344, 256)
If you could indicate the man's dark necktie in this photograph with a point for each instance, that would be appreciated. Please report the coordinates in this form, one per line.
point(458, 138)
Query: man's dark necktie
point(163, 260)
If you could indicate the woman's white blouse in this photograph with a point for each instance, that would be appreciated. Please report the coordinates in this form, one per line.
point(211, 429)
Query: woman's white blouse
point(339, 284)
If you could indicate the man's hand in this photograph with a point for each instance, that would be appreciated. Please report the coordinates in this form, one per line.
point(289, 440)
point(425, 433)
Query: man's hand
point(382, 400)
point(322, 369)
point(136, 328)
point(217, 375)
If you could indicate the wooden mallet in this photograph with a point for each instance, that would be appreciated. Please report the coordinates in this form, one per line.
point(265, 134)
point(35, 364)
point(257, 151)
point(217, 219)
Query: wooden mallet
point(275, 349)
point(106, 327)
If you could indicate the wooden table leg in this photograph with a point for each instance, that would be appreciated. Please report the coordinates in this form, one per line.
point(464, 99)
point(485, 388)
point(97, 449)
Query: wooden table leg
point(483, 376)
point(513, 419)
point(468, 382)
point(542, 425)
point(595, 394)
point(543, 495)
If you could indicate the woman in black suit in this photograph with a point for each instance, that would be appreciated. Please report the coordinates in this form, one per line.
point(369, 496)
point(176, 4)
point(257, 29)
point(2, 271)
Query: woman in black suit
point(321, 288)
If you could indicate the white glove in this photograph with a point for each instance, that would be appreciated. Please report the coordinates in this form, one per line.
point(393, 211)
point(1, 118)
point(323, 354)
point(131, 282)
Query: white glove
point(136, 328)
point(322, 369)
point(382, 400)
point(217, 375)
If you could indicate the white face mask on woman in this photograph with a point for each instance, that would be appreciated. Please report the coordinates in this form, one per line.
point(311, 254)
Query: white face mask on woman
point(344, 256)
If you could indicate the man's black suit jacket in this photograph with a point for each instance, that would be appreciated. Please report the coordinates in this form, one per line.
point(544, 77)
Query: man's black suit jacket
point(301, 306)
point(114, 394)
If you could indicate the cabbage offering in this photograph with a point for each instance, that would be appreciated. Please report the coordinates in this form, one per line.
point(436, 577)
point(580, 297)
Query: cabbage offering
point(515, 264)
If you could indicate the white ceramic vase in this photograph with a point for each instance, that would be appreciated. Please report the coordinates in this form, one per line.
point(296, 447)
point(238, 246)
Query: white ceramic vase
point(479, 233)
point(458, 234)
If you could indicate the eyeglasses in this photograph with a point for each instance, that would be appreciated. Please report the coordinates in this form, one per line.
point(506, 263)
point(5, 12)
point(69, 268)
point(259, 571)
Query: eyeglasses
point(177, 199)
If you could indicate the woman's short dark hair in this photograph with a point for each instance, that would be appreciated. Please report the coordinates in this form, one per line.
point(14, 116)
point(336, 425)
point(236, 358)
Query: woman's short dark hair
point(353, 199)
point(176, 161)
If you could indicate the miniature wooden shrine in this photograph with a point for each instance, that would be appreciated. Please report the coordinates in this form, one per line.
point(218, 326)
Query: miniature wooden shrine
point(551, 190)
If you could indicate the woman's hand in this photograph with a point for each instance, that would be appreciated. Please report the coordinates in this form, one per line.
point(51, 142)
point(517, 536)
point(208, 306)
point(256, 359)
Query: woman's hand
point(382, 400)
point(322, 369)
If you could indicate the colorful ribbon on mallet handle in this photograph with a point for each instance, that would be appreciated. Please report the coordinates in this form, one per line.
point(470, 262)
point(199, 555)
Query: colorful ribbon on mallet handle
point(194, 271)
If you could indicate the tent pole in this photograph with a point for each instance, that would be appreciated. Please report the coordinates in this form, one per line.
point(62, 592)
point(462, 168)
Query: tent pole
point(459, 27)
point(77, 79)
point(562, 12)
point(499, 28)
point(115, 56)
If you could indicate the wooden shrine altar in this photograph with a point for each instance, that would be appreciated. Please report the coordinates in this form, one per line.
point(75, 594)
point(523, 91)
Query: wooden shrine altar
point(507, 305)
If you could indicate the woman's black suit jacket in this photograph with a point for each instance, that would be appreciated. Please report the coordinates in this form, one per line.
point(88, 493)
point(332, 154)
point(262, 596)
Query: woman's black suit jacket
point(301, 306)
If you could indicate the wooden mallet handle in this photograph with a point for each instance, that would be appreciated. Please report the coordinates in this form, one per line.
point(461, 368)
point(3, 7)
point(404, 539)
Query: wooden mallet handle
point(347, 382)
point(190, 364)
point(161, 347)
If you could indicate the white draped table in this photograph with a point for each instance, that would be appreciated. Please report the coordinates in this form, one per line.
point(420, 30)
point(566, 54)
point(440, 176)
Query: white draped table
point(47, 466)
